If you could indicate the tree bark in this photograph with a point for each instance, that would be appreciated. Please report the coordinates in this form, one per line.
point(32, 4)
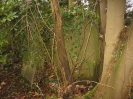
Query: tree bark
point(103, 11)
point(60, 44)
point(114, 25)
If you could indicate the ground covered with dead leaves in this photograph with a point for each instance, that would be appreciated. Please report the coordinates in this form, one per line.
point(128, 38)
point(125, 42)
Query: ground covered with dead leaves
point(45, 86)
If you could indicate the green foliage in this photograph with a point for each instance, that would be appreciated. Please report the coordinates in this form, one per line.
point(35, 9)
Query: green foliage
point(6, 15)
point(128, 21)
point(129, 13)
point(26, 30)
point(11, 11)
point(3, 56)
point(6, 11)
point(63, 2)
point(73, 21)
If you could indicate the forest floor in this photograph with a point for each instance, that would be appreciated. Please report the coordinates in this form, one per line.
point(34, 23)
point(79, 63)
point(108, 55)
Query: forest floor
point(14, 86)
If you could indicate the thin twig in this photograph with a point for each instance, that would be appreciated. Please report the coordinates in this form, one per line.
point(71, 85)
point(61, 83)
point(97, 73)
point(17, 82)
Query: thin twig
point(88, 81)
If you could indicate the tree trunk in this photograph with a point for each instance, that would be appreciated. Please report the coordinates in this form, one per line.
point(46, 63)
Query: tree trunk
point(71, 3)
point(103, 11)
point(114, 25)
point(60, 44)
